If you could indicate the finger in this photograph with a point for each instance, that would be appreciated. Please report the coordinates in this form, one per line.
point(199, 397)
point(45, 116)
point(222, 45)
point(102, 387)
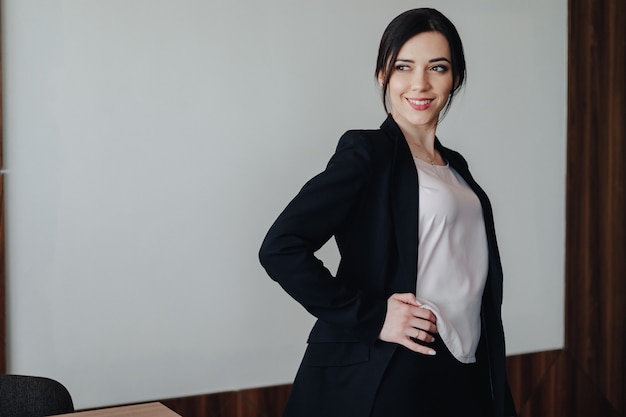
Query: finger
point(425, 325)
point(418, 348)
point(423, 313)
point(407, 298)
point(419, 334)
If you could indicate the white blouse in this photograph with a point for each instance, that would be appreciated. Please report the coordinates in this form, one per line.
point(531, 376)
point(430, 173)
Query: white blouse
point(453, 257)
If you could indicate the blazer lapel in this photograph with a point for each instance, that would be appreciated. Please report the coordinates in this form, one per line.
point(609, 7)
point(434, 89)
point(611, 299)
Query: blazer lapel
point(403, 186)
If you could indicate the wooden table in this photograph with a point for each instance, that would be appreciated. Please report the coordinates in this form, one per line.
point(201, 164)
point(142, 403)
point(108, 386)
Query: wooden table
point(139, 410)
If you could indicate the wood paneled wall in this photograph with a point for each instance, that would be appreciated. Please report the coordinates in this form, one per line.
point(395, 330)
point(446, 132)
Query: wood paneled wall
point(596, 176)
point(588, 377)
point(259, 402)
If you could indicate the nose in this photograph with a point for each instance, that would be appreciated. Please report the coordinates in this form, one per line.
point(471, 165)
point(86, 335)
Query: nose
point(420, 81)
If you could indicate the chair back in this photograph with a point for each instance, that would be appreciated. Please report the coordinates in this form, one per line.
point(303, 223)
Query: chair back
point(33, 396)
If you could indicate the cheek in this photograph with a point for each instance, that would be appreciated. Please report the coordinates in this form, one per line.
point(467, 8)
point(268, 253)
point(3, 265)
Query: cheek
point(396, 86)
point(394, 93)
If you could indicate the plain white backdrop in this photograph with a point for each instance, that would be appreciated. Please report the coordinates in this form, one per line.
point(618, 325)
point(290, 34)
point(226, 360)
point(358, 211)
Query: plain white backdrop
point(149, 145)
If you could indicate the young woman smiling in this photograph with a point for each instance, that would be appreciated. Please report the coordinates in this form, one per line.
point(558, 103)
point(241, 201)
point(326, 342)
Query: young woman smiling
point(411, 323)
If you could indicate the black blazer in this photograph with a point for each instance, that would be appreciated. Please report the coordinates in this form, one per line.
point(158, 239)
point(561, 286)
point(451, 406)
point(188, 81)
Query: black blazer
point(367, 198)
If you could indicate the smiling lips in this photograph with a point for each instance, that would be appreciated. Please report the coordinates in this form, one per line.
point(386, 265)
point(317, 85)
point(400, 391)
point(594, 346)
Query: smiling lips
point(420, 104)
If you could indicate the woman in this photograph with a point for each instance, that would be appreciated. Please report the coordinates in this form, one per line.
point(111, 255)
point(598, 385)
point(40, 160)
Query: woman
point(411, 323)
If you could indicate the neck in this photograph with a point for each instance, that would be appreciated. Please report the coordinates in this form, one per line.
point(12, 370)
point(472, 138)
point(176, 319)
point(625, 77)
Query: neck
point(421, 136)
point(426, 144)
point(423, 139)
point(422, 146)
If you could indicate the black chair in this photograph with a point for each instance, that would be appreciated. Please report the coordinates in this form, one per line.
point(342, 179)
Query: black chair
point(33, 396)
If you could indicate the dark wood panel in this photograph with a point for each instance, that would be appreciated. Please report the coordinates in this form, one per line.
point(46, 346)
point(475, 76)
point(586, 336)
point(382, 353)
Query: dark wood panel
point(255, 402)
point(224, 404)
point(596, 173)
point(566, 391)
point(266, 402)
point(526, 372)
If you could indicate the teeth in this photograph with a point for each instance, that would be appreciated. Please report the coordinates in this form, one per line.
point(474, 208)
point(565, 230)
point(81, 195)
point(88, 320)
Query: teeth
point(419, 102)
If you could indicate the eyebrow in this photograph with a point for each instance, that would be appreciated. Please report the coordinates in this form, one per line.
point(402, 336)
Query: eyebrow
point(430, 61)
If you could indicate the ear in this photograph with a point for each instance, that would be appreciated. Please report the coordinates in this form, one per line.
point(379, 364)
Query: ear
point(381, 78)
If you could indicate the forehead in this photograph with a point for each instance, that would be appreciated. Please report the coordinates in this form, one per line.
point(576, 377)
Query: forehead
point(425, 45)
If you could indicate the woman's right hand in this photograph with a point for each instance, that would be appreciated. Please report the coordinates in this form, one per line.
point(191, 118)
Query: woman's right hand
point(406, 321)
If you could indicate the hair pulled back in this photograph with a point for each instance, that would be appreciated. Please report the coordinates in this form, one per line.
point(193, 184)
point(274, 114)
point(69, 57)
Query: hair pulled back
point(406, 26)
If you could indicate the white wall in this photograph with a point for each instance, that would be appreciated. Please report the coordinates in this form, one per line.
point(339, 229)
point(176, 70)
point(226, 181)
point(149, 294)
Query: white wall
point(149, 144)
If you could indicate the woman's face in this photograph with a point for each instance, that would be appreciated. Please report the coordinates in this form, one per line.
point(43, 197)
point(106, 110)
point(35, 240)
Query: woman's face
point(421, 81)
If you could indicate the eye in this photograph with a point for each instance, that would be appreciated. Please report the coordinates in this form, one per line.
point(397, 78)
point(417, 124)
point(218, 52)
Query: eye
point(440, 68)
point(402, 67)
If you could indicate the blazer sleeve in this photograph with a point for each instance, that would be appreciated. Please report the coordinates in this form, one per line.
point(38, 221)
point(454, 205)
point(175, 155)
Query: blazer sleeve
point(310, 220)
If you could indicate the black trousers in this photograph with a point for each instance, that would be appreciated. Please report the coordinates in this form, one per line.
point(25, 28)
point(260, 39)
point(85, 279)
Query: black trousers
point(417, 385)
